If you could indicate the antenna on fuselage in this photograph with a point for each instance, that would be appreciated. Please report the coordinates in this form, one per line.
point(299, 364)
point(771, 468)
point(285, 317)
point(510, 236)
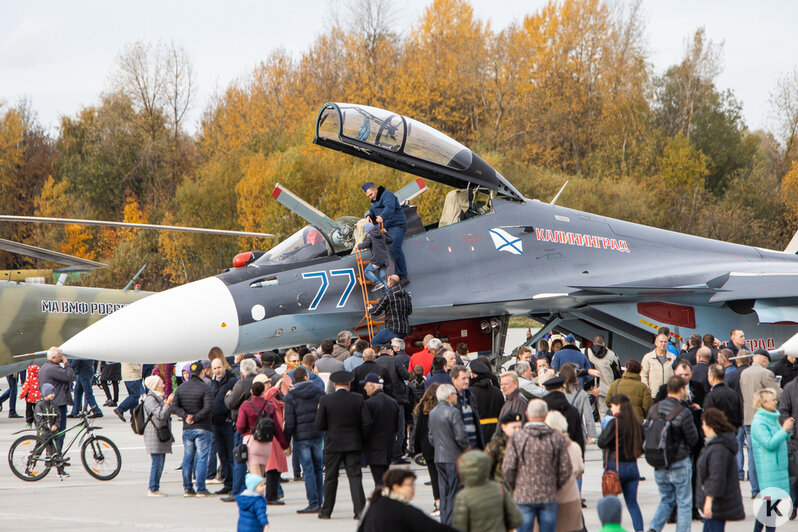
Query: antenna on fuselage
point(556, 197)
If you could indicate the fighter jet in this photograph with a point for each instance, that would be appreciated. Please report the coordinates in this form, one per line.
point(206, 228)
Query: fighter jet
point(494, 253)
point(34, 317)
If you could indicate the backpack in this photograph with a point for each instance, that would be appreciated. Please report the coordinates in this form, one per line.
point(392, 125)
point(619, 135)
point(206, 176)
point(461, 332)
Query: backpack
point(139, 419)
point(659, 444)
point(263, 431)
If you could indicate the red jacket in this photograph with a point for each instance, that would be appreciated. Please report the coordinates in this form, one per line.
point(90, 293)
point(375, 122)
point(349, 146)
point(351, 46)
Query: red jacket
point(248, 415)
point(30, 390)
point(423, 358)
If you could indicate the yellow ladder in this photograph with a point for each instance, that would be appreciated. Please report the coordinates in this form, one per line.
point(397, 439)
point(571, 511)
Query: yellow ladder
point(367, 322)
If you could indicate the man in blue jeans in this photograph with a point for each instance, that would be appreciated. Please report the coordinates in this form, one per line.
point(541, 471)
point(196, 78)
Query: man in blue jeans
point(675, 481)
point(301, 404)
point(233, 400)
point(11, 395)
point(535, 481)
point(193, 403)
point(385, 210)
point(131, 374)
point(397, 305)
point(84, 394)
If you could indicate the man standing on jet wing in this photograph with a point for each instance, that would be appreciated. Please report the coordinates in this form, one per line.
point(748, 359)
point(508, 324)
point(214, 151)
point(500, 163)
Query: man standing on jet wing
point(397, 306)
point(385, 210)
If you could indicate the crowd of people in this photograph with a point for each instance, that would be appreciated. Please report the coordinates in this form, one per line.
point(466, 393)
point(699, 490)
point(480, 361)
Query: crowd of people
point(504, 447)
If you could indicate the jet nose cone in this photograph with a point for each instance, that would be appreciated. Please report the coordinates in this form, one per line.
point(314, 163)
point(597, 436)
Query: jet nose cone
point(182, 323)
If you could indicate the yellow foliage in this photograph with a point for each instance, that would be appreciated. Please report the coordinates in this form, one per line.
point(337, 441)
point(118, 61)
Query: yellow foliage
point(789, 189)
point(12, 129)
point(682, 166)
point(78, 239)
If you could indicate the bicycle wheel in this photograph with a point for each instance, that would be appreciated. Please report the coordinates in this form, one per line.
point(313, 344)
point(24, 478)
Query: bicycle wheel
point(25, 459)
point(101, 458)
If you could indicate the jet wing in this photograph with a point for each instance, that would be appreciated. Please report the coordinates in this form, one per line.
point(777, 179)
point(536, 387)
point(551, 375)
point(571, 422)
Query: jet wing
point(642, 292)
point(73, 263)
point(757, 285)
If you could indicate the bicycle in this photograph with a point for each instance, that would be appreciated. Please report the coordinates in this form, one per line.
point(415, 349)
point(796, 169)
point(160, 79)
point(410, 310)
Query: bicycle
point(31, 457)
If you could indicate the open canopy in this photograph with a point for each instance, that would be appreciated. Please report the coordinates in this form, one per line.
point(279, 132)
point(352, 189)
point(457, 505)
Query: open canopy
point(405, 144)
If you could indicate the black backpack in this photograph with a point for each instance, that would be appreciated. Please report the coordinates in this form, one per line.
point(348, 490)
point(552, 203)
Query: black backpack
point(659, 444)
point(139, 418)
point(263, 431)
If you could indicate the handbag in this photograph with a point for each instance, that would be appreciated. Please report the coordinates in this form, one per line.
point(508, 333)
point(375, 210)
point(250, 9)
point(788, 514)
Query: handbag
point(164, 433)
point(241, 453)
point(610, 480)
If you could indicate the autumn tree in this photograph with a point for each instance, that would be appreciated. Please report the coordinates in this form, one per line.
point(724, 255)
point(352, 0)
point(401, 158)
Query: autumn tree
point(443, 69)
point(159, 82)
point(784, 103)
point(27, 155)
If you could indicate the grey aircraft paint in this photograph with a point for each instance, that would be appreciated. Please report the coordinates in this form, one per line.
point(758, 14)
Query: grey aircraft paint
point(561, 266)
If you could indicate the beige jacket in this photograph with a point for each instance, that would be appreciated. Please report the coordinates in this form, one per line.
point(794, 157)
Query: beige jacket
point(753, 379)
point(654, 374)
point(131, 372)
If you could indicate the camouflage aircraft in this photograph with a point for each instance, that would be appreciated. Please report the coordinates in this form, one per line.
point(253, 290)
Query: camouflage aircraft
point(34, 317)
point(493, 253)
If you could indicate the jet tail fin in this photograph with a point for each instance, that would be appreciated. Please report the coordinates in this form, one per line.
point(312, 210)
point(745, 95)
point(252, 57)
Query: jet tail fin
point(792, 247)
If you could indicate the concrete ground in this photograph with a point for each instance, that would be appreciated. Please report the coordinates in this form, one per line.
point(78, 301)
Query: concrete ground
point(82, 503)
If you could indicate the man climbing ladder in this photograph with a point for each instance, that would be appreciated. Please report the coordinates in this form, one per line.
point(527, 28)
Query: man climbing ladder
point(397, 306)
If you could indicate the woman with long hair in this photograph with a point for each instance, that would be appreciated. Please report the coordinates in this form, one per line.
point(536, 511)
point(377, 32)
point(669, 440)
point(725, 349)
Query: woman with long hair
point(630, 448)
point(579, 399)
point(390, 508)
point(717, 490)
point(421, 442)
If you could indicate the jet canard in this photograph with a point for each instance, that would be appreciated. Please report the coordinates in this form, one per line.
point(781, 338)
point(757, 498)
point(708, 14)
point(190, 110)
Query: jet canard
point(492, 254)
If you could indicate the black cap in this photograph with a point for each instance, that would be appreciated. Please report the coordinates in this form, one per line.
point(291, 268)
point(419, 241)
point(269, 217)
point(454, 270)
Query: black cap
point(371, 377)
point(762, 352)
point(341, 377)
point(196, 368)
point(479, 367)
point(554, 383)
point(512, 417)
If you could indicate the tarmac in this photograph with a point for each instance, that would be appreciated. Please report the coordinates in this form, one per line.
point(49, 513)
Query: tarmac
point(82, 503)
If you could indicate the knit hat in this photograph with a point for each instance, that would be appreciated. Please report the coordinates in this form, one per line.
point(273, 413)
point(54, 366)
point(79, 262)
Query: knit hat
point(366, 186)
point(47, 389)
point(478, 367)
point(252, 481)
point(369, 227)
point(152, 381)
point(609, 510)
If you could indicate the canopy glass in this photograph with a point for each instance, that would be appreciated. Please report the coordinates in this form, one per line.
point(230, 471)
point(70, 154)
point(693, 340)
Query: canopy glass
point(400, 142)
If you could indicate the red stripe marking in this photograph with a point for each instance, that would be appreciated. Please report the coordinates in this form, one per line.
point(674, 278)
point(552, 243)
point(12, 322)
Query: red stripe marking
point(276, 192)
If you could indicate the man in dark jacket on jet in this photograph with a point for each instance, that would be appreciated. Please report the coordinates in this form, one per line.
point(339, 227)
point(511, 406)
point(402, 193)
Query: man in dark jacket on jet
point(385, 210)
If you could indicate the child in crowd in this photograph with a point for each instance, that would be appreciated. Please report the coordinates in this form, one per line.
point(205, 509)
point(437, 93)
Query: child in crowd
point(380, 258)
point(417, 385)
point(46, 417)
point(483, 505)
point(30, 392)
point(252, 505)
